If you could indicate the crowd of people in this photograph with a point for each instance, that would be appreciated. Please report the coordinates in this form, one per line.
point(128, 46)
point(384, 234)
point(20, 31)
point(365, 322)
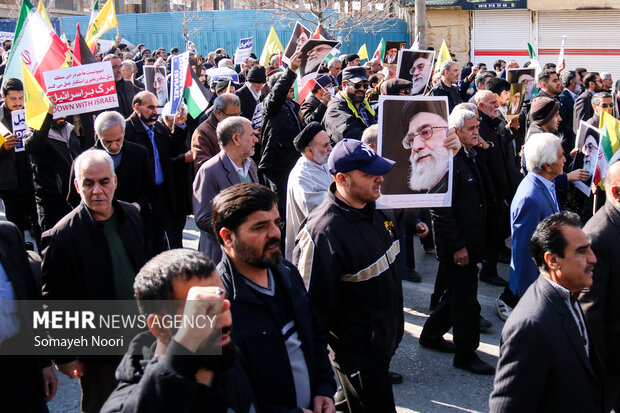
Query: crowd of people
point(306, 269)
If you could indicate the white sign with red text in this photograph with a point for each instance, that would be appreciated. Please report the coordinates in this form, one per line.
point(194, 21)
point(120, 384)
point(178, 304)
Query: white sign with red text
point(81, 89)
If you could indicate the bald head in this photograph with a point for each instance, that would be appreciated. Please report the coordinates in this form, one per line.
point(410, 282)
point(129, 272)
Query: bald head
point(612, 183)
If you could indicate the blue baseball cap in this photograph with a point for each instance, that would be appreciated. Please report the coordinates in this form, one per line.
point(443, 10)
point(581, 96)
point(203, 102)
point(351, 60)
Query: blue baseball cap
point(351, 154)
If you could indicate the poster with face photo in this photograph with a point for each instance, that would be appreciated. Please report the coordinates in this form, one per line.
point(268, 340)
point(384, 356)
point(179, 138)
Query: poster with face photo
point(415, 66)
point(155, 82)
point(523, 75)
point(412, 132)
point(515, 103)
point(298, 39)
point(587, 141)
point(313, 54)
point(391, 52)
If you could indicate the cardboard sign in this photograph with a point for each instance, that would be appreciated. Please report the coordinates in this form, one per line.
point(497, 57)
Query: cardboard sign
point(18, 118)
point(81, 89)
point(244, 50)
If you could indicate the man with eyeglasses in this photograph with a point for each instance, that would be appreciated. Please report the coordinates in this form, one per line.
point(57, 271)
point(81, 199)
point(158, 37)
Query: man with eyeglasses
point(426, 132)
point(583, 110)
point(125, 90)
point(460, 240)
point(349, 113)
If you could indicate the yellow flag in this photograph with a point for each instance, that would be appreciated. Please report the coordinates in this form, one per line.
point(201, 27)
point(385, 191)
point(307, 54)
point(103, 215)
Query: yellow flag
point(43, 12)
point(105, 20)
point(442, 56)
point(272, 45)
point(36, 101)
point(67, 62)
point(362, 52)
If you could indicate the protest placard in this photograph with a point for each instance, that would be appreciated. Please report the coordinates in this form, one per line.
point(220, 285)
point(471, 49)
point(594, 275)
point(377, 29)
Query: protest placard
point(525, 75)
point(81, 89)
point(391, 52)
point(155, 82)
point(18, 119)
point(178, 75)
point(244, 49)
point(421, 177)
point(313, 52)
point(222, 73)
point(515, 102)
point(298, 39)
point(415, 66)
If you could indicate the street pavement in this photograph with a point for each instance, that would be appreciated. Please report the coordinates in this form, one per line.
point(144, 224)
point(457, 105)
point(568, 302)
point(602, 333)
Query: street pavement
point(430, 382)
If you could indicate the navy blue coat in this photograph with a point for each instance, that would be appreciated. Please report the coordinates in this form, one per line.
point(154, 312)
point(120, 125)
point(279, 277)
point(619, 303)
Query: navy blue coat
point(259, 338)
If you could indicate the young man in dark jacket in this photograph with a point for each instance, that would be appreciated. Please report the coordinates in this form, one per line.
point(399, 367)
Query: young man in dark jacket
point(166, 370)
point(346, 254)
point(276, 329)
point(52, 150)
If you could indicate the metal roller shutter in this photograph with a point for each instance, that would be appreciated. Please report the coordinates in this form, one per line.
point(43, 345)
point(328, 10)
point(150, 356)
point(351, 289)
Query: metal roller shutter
point(502, 34)
point(592, 39)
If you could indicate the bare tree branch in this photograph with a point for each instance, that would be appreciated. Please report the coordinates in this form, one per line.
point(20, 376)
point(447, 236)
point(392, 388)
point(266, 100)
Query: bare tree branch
point(340, 18)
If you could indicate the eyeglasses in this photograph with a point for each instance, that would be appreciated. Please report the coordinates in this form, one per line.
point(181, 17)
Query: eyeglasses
point(405, 91)
point(116, 67)
point(425, 134)
point(606, 105)
point(360, 85)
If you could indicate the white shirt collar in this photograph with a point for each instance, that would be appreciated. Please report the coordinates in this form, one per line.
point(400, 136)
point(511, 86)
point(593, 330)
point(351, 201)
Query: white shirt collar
point(241, 171)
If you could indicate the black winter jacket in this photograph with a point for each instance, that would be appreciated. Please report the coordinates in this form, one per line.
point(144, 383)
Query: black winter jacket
point(313, 109)
point(167, 383)
point(347, 258)
point(342, 123)
point(280, 126)
point(52, 160)
point(464, 223)
point(259, 339)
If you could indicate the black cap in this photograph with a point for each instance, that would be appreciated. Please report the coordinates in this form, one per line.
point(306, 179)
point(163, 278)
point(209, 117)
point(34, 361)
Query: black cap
point(303, 139)
point(351, 57)
point(257, 75)
point(394, 86)
point(223, 85)
point(354, 74)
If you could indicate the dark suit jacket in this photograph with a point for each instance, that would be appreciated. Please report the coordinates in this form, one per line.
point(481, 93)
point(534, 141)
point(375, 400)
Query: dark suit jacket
point(582, 109)
point(567, 107)
point(169, 145)
point(248, 103)
point(543, 365)
point(21, 380)
point(214, 175)
point(601, 302)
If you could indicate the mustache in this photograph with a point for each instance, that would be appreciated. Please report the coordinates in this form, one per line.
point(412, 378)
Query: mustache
point(273, 242)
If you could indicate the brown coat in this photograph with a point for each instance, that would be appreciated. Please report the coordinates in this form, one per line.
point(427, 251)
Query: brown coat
point(204, 141)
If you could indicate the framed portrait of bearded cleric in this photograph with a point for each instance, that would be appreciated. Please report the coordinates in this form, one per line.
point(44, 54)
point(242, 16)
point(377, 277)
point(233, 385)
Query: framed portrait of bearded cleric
point(313, 52)
point(298, 39)
point(412, 132)
point(525, 75)
point(415, 66)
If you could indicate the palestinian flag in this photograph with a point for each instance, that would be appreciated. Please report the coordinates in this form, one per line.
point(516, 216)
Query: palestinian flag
point(81, 52)
point(380, 52)
point(36, 44)
point(195, 96)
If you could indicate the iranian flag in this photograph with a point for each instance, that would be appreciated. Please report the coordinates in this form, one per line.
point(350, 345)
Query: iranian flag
point(608, 148)
point(36, 44)
point(380, 52)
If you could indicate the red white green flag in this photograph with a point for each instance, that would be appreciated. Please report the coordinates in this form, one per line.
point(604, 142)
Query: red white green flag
point(380, 52)
point(36, 44)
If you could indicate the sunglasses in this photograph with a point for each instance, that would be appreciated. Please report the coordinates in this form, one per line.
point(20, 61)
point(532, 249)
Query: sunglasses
point(360, 85)
point(606, 105)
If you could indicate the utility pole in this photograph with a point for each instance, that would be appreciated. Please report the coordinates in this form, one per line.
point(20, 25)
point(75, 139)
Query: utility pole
point(420, 22)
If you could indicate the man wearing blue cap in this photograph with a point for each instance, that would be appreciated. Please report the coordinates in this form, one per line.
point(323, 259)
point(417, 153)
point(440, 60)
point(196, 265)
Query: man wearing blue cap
point(349, 113)
point(346, 254)
point(314, 106)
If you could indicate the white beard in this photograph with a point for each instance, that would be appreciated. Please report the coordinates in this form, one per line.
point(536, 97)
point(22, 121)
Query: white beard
point(418, 86)
point(424, 176)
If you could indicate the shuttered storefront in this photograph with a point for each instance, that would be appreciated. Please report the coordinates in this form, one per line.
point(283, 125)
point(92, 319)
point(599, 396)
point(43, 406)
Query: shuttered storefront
point(500, 35)
point(592, 39)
